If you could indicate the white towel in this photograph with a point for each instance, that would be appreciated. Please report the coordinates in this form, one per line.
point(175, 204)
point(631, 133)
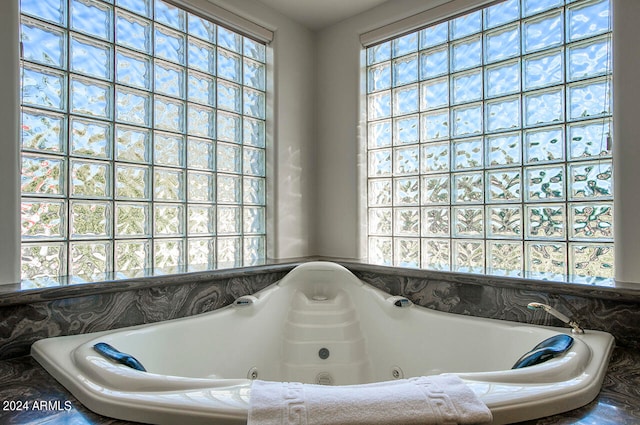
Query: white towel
point(438, 399)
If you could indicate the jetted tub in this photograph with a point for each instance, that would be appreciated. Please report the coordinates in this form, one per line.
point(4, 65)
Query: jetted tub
point(319, 324)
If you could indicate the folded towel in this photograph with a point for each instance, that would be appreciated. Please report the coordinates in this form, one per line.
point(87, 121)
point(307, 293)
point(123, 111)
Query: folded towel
point(438, 399)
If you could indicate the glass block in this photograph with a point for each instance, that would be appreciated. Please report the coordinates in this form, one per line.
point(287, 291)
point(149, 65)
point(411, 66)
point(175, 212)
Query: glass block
point(505, 258)
point(201, 88)
point(133, 31)
point(589, 139)
point(436, 254)
point(48, 10)
point(254, 248)
point(502, 44)
point(406, 130)
point(503, 114)
point(465, 25)
point(169, 45)
point(406, 100)
point(434, 94)
point(379, 105)
point(468, 256)
point(168, 149)
point(91, 58)
point(468, 188)
point(588, 19)
point(201, 28)
point(132, 144)
point(467, 153)
point(200, 154)
point(42, 131)
point(90, 179)
point(133, 70)
point(42, 43)
point(254, 74)
point(132, 219)
point(92, 17)
point(436, 221)
point(169, 114)
point(254, 191)
point(141, 7)
point(200, 121)
point(434, 35)
point(43, 260)
point(229, 252)
point(201, 220)
point(229, 96)
point(546, 221)
point(253, 133)
point(406, 191)
point(404, 45)
point(590, 59)
point(229, 40)
point(436, 189)
point(531, 7)
point(42, 175)
point(380, 221)
point(434, 63)
point(504, 185)
point(254, 220)
point(591, 221)
point(379, 77)
point(380, 251)
point(435, 157)
point(379, 163)
point(132, 182)
point(406, 252)
point(229, 127)
point(379, 134)
point(543, 32)
point(229, 220)
point(90, 219)
point(168, 253)
point(253, 162)
point(544, 145)
point(168, 185)
point(229, 189)
point(229, 158)
point(169, 79)
point(90, 97)
point(170, 15)
point(502, 13)
point(543, 70)
point(229, 66)
point(406, 160)
point(168, 220)
point(380, 192)
point(406, 221)
point(133, 106)
point(503, 78)
point(43, 87)
point(468, 222)
point(503, 149)
point(504, 222)
point(435, 125)
point(592, 259)
point(379, 53)
point(254, 103)
point(546, 257)
point(467, 87)
point(90, 138)
point(201, 253)
point(405, 70)
point(543, 107)
point(466, 54)
point(42, 219)
point(590, 99)
point(545, 183)
point(90, 260)
point(467, 120)
point(132, 255)
point(591, 180)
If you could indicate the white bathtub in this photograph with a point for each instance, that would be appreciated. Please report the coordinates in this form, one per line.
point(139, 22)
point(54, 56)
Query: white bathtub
point(199, 368)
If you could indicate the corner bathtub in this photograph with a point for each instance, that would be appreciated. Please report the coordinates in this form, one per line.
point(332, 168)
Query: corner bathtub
point(319, 324)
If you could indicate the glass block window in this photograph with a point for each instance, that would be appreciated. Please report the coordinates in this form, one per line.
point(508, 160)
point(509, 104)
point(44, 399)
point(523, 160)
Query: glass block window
point(143, 139)
point(488, 142)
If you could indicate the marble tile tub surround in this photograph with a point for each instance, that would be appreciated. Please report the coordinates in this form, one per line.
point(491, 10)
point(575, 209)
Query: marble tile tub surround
point(26, 316)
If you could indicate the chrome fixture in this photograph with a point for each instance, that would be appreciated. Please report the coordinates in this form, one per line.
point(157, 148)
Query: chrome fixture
point(575, 328)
